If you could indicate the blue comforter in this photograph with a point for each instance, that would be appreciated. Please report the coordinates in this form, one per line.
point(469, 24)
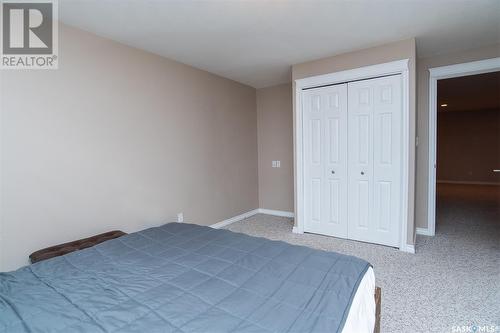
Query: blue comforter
point(183, 278)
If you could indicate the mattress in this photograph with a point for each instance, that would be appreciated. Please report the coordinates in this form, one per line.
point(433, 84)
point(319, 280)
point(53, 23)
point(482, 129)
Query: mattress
point(187, 278)
point(361, 317)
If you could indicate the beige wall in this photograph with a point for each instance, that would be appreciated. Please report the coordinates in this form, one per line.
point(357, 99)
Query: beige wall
point(275, 137)
point(424, 64)
point(394, 51)
point(118, 138)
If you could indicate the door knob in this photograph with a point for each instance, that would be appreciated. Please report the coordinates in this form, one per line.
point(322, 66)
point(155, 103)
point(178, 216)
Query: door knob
point(496, 170)
point(362, 172)
point(333, 172)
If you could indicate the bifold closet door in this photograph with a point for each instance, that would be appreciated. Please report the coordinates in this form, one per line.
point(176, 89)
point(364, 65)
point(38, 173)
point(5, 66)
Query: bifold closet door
point(374, 149)
point(325, 160)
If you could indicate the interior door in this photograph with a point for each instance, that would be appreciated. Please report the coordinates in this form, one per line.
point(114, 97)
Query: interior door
point(374, 149)
point(325, 160)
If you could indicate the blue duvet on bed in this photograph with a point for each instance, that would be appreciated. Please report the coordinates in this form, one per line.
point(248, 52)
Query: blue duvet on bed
point(183, 278)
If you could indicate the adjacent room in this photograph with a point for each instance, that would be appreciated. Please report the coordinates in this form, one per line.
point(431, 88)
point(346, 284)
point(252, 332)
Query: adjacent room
point(468, 155)
point(250, 166)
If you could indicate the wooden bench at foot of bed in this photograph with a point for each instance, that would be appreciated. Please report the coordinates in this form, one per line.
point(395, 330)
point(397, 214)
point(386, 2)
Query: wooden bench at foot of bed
point(62, 249)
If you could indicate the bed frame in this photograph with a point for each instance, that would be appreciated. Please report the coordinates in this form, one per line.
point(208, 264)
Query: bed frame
point(59, 250)
point(378, 303)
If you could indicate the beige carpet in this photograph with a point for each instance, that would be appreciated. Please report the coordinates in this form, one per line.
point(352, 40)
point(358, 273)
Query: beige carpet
point(453, 279)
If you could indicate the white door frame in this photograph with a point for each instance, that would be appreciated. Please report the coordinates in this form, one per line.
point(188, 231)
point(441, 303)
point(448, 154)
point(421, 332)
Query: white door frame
point(1, 180)
point(368, 72)
point(435, 74)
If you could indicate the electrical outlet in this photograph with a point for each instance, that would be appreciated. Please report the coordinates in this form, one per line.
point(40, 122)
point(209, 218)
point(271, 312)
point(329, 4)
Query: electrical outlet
point(180, 217)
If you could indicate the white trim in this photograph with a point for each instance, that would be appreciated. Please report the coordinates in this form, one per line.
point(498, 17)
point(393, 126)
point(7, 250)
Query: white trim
point(464, 182)
point(466, 69)
point(273, 212)
point(424, 232)
point(435, 74)
point(394, 67)
point(1, 177)
point(405, 183)
point(298, 162)
point(233, 219)
point(367, 72)
point(251, 213)
point(409, 248)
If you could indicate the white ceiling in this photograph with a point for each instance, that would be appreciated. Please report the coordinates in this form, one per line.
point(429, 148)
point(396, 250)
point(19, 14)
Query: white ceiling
point(256, 42)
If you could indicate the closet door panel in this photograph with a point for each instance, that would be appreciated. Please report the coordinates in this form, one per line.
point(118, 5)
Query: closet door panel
point(387, 159)
point(336, 160)
point(325, 156)
point(360, 152)
point(313, 159)
point(375, 108)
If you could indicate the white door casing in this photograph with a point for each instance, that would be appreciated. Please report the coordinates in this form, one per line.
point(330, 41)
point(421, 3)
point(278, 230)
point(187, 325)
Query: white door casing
point(325, 160)
point(374, 150)
point(435, 74)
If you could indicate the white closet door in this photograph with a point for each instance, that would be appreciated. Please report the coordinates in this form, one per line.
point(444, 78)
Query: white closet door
point(325, 160)
point(374, 149)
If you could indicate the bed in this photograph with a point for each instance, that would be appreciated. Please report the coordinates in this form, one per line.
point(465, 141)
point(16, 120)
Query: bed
point(189, 278)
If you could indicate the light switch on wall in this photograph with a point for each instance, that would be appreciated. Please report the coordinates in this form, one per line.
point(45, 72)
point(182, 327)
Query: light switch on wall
point(276, 164)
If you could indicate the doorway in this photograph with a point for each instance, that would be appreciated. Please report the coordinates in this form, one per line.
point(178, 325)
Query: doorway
point(464, 173)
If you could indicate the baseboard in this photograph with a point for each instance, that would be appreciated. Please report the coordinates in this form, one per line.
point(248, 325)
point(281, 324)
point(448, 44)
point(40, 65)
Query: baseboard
point(273, 212)
point(233, 219)
point(409, 248)
point(246, 215)
point(464, 182)
point(296, 230)
point(424, 232)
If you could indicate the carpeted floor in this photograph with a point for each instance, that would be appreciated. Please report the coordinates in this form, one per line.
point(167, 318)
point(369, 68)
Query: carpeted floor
point(452, 280)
